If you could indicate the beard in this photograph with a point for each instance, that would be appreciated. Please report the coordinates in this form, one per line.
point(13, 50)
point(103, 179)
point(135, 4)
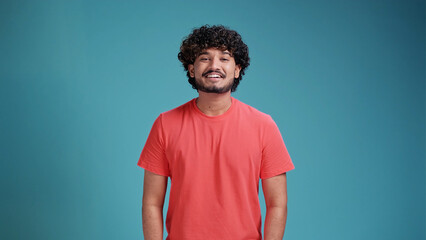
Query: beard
point(213, 89)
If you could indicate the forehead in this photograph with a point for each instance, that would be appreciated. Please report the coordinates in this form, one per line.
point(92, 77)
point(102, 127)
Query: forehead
point(213, 51)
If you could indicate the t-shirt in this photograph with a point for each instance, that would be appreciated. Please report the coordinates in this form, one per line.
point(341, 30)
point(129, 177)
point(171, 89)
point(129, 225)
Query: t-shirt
point(214, 164)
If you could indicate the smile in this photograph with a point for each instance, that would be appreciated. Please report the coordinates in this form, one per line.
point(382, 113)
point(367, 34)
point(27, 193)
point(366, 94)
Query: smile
point(213, 76)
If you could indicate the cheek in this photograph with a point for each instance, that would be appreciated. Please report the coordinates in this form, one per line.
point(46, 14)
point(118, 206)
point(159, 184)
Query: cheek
point(195, 70)
point(199, 71)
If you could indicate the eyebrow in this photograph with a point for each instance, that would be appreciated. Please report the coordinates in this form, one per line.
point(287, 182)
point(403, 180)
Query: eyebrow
point(223, 52)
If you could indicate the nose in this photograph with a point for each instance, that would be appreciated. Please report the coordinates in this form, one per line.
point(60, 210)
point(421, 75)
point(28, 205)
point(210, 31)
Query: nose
point(214, 63)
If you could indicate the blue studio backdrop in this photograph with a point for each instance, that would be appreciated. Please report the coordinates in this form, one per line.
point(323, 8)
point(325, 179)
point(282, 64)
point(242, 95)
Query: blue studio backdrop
point(82, 82)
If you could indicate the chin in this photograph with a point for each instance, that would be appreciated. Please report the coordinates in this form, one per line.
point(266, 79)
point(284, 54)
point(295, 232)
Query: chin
point(213, 88)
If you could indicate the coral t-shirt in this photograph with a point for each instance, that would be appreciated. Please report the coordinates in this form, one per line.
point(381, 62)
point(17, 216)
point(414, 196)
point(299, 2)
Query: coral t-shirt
point(214, 164)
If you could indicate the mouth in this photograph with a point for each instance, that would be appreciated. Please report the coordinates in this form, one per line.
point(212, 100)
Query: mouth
point(213, 75)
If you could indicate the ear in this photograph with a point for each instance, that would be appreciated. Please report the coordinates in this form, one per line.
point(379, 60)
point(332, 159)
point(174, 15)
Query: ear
point(237, 71)
point(191, 70)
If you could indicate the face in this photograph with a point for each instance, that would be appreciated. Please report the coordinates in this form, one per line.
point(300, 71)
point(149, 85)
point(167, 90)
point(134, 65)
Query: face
point(214, 71)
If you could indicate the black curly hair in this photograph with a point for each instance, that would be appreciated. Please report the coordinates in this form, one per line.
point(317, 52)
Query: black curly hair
point(216, 36)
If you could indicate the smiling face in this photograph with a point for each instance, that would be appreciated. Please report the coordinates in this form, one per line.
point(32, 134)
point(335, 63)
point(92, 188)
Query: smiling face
point(214, 71)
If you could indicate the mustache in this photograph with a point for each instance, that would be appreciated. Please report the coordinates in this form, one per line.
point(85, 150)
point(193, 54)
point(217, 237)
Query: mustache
point(222, 75)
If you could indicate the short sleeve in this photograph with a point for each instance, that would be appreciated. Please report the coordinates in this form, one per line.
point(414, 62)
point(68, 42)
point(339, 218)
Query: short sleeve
point(153, 157)
point(275, 157)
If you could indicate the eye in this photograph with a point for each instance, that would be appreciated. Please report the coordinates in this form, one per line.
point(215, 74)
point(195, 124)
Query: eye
point(225, 59)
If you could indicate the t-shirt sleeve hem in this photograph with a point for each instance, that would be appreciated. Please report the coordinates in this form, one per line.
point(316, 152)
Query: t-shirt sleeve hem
point(150, 168)
point(275, 173)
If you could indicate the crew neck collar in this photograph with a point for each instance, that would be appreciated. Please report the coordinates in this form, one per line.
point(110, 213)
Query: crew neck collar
point(221, 116)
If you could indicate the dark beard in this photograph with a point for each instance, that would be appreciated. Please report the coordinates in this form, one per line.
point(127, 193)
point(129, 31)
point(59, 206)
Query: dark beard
point(214, 89)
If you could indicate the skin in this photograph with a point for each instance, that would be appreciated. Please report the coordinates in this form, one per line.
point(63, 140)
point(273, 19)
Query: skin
point(154, 191)
point(214, 61)
point(214, 71)
point(214, 98)
point(275, 192)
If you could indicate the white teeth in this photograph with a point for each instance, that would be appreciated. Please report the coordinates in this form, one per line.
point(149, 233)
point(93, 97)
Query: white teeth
point(213, 76)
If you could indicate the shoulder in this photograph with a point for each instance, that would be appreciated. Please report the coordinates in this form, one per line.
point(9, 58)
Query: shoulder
point(177, 113)
point(251, 113)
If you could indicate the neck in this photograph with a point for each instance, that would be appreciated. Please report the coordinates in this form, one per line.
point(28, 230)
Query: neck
point(214, 104)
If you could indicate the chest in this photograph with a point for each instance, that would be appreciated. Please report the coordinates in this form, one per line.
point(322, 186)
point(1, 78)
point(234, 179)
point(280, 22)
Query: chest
point(211, 148)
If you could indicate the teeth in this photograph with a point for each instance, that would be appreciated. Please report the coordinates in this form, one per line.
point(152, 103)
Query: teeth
point(213, 76)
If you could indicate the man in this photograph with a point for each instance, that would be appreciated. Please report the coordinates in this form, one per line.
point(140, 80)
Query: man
point(215, 149)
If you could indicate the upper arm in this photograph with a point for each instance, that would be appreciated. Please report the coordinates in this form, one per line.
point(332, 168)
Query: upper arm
point(275, 157)
point(154, 189)
point(275, 190)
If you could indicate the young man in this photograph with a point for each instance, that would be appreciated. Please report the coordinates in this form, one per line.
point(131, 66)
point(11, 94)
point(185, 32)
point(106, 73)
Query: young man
point(215, 149)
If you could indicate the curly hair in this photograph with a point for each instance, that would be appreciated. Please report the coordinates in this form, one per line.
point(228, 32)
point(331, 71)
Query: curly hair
point(216, 36)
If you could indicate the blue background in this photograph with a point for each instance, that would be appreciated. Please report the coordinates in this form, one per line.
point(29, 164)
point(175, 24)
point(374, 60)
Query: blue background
point(83, 81)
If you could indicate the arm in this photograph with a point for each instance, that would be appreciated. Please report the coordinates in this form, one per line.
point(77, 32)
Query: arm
point(154, 190)
point(275, 192)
